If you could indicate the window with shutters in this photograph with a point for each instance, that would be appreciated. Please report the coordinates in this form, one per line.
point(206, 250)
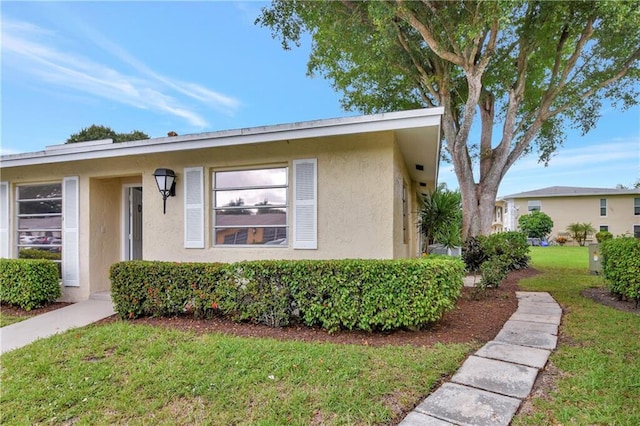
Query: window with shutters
point(250, 207)
point(39, 222)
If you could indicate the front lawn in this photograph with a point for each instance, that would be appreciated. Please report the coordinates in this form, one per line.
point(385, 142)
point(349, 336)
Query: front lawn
point(6, 319)
point(598, 357)
point(136, 374)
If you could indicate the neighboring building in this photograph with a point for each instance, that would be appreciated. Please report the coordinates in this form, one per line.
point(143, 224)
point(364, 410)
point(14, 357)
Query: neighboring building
point(338, 188)
point(498, 217)
point(607, 209)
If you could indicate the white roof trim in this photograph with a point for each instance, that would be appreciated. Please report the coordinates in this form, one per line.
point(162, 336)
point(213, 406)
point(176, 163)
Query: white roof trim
point(319, 128)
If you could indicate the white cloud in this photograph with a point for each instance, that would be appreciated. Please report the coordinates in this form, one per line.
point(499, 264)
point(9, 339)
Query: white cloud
point(32, 49)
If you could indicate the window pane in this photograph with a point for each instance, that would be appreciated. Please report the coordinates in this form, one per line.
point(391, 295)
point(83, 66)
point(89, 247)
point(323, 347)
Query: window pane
point(40, 223)
point(252, 236)
point(53, 190)
point(40, 207)
point(249, 178)
point(272, 218)
point(251, 197)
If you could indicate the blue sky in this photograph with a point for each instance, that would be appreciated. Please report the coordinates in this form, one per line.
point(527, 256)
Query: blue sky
point(193, 67)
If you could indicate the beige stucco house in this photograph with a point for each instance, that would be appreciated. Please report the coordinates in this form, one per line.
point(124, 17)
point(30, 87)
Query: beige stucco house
point(337, 188)
point(607, 209)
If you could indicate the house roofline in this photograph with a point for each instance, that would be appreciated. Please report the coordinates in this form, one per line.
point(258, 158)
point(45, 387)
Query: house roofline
point(426, 117)
point(570, 191)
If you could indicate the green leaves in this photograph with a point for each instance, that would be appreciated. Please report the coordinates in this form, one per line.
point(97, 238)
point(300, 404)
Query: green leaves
point(95, 132)
point(28, 283)
point(333, 294)
point(536, 224)
point(621, 266)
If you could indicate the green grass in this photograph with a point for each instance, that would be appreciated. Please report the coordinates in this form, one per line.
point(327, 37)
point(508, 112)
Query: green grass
point(598, 356)
point(10, 319)
point(134, 374)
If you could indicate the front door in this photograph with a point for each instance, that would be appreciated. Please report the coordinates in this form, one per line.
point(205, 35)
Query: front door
point(133, 223)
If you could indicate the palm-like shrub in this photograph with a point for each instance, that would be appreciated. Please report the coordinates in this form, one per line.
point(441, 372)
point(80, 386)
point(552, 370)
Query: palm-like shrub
point(580, 231)
point(440, 217)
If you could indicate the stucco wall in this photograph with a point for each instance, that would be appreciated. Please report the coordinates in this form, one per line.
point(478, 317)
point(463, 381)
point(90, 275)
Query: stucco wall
point(566, 210)
point(402, 181)
point(358, 205)
point(355, 199)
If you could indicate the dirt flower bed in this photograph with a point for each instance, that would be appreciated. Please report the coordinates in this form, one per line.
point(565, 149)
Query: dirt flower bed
point(17, 312)
point(474, 319)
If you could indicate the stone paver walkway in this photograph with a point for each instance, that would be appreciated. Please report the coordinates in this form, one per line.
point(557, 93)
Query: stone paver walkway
point(491, 384)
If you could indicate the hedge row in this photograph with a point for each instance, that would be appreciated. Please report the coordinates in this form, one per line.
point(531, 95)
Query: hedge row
point(28, 283)
point(621, 266)
point(332, 294)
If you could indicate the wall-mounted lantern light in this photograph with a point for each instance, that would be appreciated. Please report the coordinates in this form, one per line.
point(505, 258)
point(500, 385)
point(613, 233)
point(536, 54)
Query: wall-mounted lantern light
point(166, 180)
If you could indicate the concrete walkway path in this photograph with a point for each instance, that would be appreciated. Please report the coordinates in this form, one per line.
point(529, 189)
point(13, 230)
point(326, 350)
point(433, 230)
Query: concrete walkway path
point(60, 320)
point(491, 384)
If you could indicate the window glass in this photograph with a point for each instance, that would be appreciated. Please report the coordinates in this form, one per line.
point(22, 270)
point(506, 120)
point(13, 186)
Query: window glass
point(39, 222)
point(250, 207)
point(604, 227)
point(534, 205)
point(603, 207)
point(636, 206)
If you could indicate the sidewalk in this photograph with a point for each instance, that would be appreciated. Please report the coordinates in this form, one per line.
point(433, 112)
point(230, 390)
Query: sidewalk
point(53, 322)
point(490, 385)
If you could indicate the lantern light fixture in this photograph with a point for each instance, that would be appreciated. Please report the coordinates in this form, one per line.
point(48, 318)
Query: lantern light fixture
point(166, 180)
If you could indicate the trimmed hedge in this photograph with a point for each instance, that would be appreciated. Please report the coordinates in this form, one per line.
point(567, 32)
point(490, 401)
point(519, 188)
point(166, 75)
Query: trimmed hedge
point(332, 294)
point(621, 266)
point(510, 248)
point(28, 283)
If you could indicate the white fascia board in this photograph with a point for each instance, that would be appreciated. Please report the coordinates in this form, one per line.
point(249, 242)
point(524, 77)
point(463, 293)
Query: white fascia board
point(308, 129)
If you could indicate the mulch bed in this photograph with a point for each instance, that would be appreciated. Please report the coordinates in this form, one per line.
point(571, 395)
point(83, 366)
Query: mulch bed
point(476, 318)
point(604, 297)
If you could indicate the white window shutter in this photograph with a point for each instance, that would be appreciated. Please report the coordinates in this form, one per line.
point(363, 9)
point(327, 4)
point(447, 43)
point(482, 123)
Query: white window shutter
point(194, 207)
point(4, 220)
point(305, 204)
point(70, 232)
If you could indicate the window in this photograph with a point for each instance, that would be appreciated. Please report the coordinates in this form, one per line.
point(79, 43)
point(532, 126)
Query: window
point(603, 206)
point(534, 205)
point(636, 206)
point(250, 207)
point(39, 219)
point(636, 231)
point(604, 227)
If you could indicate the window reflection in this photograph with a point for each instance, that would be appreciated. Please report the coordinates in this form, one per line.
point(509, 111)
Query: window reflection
point(250, 207)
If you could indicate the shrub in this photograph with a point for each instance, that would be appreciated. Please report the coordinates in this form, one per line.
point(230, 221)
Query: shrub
point(603, 236)
point(511, 247)
point(580, 232)
point(39, 254)
point(28, 283)
point(493, 272)
point(351, 294)
point(144, 288)
point(621, 266)
point(474, 253)
point(536, 224)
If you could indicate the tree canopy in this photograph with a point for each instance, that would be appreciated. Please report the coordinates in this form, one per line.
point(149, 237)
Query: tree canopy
point(521, 71)
point(536, 224)
point(97, 132)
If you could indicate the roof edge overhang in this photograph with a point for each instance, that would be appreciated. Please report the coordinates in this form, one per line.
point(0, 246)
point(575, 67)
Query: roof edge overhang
point(392, 121)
